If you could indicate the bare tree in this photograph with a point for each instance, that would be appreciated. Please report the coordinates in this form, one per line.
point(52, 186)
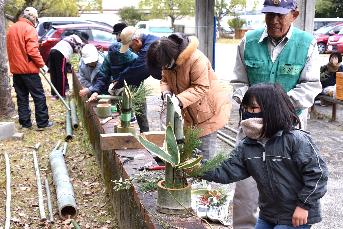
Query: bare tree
point(6, 104)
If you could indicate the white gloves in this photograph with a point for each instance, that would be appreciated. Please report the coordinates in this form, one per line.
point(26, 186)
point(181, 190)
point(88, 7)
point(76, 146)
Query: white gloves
point(115, 91)
point(164, 95)
point(45, 69)
point(177, 104)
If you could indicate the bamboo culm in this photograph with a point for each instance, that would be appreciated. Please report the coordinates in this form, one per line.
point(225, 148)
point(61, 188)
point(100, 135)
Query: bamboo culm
point(8, 192)
point(39, 187)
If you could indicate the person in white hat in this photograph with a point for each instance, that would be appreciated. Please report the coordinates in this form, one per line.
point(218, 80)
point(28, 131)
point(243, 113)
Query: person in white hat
point(59, 56)
point(89, 67)
point(25, 62)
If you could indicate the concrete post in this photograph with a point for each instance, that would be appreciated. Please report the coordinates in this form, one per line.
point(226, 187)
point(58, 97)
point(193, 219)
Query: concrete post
point(204, 16)
point(306, 17)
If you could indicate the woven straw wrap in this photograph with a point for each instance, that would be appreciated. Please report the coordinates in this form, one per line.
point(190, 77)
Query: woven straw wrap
point(339, 85)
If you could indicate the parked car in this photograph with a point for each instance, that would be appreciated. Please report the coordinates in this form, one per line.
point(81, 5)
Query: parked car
point(98, 35)
point(158, 28)
point(45, 23)
point(322, 35)
point(335, 42)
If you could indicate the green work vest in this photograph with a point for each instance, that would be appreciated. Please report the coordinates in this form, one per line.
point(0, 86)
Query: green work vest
point(288, 65)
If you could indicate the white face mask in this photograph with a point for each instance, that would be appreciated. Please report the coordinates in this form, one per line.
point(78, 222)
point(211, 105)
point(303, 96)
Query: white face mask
point(334, 60)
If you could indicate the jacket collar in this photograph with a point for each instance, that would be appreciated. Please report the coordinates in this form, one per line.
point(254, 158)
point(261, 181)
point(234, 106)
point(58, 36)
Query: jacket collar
point(265, 34)
point(251, 141)
point(26, 20)
point(188, 51)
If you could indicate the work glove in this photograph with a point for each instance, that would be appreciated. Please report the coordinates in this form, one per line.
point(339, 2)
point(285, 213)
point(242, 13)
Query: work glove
point(164, 95)
point(177, 104)
point(114, 91)
point(44, 69)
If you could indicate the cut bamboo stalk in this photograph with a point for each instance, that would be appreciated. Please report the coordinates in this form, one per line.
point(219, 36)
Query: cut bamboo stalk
point(65, 146)
point(39, 188)
point(8, 192)
point(48, 197)
point(74, 119)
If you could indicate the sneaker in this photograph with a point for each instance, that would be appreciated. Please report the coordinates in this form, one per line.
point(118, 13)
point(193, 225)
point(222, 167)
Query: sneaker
point(50, 124)
point(26, 127)
point(133, 120)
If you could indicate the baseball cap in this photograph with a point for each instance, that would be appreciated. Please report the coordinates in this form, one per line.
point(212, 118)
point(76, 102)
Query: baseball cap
point(31, 12)
point(126, 38)
point(89, 54)
point(279, 6)
point(117, 28)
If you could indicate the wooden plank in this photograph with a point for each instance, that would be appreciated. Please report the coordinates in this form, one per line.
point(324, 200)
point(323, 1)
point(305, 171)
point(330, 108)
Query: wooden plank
point(128, 141)
point(330, 99)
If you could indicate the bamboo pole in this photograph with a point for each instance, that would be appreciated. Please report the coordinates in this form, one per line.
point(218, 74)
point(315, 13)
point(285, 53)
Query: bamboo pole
point(65, 146)
point(74, 119)
point(8, 192)
point(39, 187)
point(55, 90)
point(48, 197)
point(69, 129)
point(169, 170)
point(110, 97)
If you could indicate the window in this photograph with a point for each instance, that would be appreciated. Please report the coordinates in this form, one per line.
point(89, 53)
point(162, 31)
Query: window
point(102, 36)
point(82, 33)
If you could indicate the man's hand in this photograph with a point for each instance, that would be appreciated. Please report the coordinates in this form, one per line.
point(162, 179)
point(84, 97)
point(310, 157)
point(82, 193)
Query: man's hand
point(84, 92)
point(299, 217)
point(93, 97)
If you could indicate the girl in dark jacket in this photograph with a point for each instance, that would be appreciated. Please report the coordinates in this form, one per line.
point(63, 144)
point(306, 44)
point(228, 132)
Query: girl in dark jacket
point(290, 174)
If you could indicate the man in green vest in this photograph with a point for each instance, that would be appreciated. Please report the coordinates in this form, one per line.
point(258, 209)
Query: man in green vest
point(278, 53)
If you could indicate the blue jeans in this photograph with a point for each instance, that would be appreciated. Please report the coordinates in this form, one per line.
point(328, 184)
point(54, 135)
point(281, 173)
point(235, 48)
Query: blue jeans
point(262, 224)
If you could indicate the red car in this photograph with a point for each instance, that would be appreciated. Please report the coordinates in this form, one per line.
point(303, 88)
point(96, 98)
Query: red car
point(98, 35)
point(335, 43)
point(322, 35)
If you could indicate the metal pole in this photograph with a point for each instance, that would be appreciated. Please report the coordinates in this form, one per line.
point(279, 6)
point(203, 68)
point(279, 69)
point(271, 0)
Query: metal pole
point(8, 192)
point(226, 141)
point(39, 188)
point(55, 90)
point(226, 136)
point(233, 130)
point(48, 197)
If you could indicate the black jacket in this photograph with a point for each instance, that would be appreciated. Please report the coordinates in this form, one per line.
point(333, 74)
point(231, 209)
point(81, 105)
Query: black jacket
point(288, 170)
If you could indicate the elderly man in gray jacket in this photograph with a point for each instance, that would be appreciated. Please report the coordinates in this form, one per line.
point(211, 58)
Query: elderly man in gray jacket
point(278, 53)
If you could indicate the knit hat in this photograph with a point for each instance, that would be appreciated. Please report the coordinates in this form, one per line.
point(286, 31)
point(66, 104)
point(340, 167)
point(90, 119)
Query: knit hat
point(31, 14)
point(117, 28)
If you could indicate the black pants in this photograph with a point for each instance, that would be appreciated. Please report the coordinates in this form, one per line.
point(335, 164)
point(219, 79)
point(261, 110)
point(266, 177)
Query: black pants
point(142, 118)
point(58, 72)
point(23, 85)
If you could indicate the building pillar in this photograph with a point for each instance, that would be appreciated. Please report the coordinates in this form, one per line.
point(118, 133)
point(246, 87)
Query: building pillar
point(306, 17)
point(204, 23)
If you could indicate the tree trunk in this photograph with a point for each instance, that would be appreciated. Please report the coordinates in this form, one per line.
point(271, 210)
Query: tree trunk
point(6, 104)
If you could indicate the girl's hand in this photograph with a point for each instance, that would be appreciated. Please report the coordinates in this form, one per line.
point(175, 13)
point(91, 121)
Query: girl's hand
point(299, 217)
